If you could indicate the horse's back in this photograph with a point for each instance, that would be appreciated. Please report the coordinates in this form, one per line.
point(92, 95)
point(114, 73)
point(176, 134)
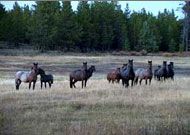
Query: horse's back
point(22, 75)
point(78, 74)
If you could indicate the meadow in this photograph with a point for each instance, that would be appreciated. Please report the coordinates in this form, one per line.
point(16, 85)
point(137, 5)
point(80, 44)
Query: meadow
point(100, 108)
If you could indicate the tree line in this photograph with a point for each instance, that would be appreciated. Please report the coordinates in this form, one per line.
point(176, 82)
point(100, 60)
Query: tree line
point(98, 26)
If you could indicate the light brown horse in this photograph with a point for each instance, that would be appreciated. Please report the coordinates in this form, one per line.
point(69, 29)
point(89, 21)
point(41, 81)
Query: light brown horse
point(27, 76)
point(114, 76)
point(144, 73)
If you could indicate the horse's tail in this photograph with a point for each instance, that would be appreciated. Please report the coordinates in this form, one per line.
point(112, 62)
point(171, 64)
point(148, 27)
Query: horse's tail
point(17, 84)
point(71, 82)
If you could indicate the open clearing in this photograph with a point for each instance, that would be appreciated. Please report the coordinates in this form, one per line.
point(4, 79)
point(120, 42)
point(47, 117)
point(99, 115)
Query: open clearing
point(100, 108)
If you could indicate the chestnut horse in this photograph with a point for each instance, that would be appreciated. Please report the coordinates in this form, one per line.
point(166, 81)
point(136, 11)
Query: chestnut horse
point(114, 75)
point(27, 76)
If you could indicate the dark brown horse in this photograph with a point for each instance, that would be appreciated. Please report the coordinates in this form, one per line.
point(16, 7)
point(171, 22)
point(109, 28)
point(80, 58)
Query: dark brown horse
point(114, 76)
point(170, 71)
point(144, 73)
point(162, 72)
point(127, 73)
point(156, 72)
point(27, 76)
point(81, 75)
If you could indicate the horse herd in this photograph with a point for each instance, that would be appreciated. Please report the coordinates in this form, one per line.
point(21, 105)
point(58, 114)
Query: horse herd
point(126, 73)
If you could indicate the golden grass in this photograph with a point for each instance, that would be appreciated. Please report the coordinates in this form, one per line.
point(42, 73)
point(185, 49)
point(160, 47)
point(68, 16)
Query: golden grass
point(100, 108)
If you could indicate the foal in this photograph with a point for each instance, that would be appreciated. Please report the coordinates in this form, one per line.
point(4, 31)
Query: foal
point(45, 78)
point(145, 74)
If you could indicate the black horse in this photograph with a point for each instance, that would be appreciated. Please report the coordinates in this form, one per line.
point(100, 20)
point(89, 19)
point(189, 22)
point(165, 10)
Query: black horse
point(81, 75)
point(162, 72)
point(156, 73)
point(127, 73)
point(170, 71)
point(45, 78)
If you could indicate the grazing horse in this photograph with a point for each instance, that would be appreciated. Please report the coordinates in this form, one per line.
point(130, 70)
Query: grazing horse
point(127, 73)
point(27, 77)
point(162, 72)
point(170, 71)
point(114, 75)
point(81, 75)
point(142, 73)
point(45, 78)
point(156, 73)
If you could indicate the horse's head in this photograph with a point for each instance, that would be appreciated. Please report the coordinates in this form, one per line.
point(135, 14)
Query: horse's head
point(164, 63)
point(93, 68)
point(35, 67)
point(40, 71)
point(172, 64)
point(150, 63)
point(85, 65)
point(130, 63)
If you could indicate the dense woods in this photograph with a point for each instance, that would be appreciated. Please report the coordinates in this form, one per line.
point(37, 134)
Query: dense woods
point(95, 26)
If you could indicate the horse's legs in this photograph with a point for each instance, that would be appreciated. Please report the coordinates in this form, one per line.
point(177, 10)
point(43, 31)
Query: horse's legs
point(34, 82)
point(29, 85)
point(41, 84)
point(73, 83)
point(49, 84)
point(82, 83)
point(146, 81)
point(140, 81)
point(85, 83)
point(132, 80)
point(45, 84)
point(150, 81)
point(112, 81)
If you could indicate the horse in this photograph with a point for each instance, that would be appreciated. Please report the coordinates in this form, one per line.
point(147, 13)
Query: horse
point(45, 78)
point(81, 75)
point(170, 71)
point(127, 73)
point(27, 76)
point(144, 73)
point(155, 72)
point(162, 72)
point(114, 75)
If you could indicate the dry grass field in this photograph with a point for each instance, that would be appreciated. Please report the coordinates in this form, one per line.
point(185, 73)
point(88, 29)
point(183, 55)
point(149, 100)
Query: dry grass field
point(100, 108)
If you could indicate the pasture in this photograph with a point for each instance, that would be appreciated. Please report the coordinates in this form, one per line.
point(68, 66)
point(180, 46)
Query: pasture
point(100, 108)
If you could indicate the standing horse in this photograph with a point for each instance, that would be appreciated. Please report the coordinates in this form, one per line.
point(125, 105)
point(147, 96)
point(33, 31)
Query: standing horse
point(27, 77)
point(127, 73)
point(170, 71)
point(155, 72)
point(114, 75)
point(142, 73)
point(45, 78)
point(81, 75)
point(162, 72)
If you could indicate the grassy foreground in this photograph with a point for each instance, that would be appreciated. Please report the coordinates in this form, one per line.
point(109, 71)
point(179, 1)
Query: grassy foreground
point(101, 108)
